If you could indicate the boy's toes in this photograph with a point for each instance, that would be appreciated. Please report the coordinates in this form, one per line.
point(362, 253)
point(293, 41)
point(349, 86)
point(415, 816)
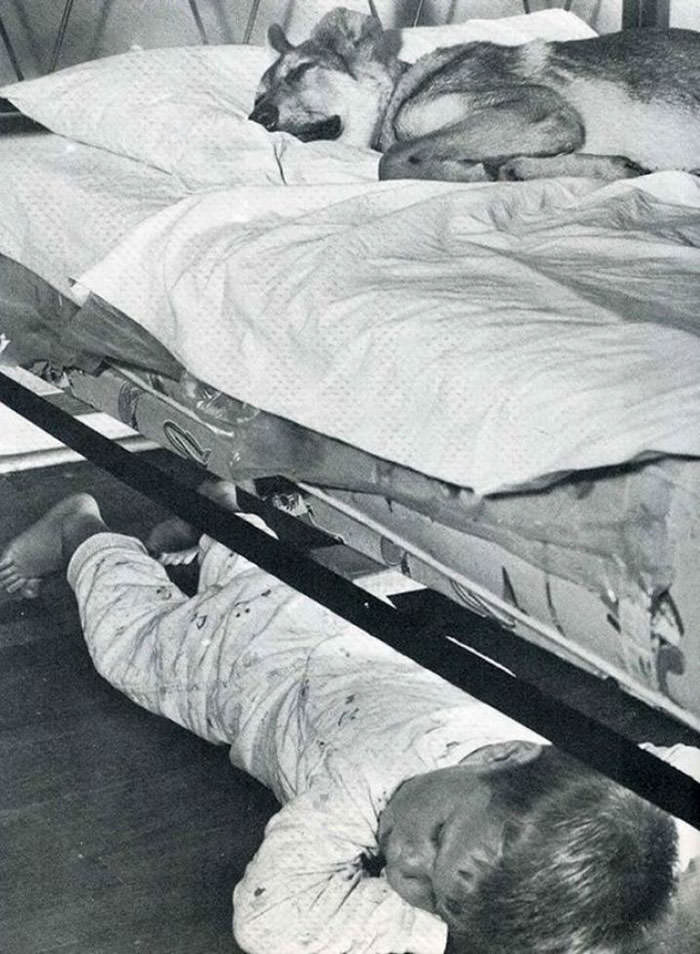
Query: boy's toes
point(171, 535)
point(15, 585)
point(8, 574)
point(31, 589)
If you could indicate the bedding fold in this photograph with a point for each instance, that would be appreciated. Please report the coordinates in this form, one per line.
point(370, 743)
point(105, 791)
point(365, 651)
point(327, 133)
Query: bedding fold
point(494, 336)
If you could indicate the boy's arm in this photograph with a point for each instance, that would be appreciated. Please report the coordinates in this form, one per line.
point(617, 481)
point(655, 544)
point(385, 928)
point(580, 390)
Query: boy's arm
point(305, 890)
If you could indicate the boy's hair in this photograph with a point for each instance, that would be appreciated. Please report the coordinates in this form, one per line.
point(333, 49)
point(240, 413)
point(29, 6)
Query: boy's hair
point(586, 865)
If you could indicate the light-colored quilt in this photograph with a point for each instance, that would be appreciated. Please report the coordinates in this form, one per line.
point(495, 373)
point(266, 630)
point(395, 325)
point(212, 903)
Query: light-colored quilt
point(491, 335)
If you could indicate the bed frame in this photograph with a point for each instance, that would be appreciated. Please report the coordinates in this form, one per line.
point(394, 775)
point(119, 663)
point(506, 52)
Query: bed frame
point(420, 624)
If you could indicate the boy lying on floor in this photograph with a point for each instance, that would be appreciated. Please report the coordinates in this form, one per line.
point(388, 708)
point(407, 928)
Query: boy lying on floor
point(415, 819)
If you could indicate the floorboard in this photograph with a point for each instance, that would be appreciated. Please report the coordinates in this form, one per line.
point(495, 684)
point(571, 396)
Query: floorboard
point(119, 832)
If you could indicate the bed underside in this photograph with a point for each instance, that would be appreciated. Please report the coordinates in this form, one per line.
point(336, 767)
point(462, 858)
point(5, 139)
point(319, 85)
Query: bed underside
point(597, 568)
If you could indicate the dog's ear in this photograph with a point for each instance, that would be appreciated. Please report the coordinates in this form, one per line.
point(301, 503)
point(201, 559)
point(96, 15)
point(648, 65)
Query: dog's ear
point(353, 36)
point(277, 39)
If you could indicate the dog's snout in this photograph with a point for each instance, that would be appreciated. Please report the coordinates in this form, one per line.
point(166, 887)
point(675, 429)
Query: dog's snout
point(266, 114)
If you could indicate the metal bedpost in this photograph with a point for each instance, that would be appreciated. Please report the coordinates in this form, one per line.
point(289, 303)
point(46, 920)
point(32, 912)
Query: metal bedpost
point(419, 11)
point(198, 20)
point(60, 36)
point(252, 18)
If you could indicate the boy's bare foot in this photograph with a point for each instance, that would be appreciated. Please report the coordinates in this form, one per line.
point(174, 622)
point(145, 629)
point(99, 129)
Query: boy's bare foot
point(46, 546)
point(173, 540)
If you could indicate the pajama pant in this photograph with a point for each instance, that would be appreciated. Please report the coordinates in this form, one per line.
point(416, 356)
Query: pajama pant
point(222, 663)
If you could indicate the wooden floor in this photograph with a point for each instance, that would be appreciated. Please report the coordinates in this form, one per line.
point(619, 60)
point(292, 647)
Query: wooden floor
point(119, 832)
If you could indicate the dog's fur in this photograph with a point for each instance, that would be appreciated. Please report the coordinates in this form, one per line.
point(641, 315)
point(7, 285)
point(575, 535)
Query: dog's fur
point(610, 106)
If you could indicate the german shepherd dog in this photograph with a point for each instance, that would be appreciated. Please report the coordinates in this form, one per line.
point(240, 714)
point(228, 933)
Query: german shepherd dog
point(612, 106)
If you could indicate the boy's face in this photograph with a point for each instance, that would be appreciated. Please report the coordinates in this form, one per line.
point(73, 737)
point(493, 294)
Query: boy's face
point(439, 834)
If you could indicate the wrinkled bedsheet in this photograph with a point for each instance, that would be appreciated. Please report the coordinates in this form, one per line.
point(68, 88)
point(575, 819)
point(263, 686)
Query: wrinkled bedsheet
point(64, 205)
point(490, 335)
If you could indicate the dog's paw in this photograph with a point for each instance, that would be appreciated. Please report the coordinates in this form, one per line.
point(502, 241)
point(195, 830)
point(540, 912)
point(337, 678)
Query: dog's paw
point(625, 168)
point(516, 169)
point(607, 168)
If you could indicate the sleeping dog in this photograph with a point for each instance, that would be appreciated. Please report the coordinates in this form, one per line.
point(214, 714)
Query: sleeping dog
point(611, 106)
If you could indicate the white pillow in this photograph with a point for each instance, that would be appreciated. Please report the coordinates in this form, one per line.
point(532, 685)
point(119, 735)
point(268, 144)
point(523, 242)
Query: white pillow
point(185, 112)
point(181, 110)
point(507, 31)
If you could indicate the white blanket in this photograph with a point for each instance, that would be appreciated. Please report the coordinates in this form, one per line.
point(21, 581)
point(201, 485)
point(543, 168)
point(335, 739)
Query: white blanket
point(489, 335)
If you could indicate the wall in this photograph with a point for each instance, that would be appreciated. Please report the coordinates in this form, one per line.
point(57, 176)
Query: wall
point(685, 13)
point(101, 27)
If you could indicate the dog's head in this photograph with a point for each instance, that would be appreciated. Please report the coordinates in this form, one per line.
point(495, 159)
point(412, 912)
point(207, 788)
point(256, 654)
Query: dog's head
point(334, 85)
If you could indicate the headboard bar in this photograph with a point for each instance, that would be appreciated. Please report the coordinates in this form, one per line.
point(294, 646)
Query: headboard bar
point(635, 13)
point(252, 17)
point(645, 13)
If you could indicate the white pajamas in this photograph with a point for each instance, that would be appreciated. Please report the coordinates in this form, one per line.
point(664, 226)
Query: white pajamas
point(326, 716)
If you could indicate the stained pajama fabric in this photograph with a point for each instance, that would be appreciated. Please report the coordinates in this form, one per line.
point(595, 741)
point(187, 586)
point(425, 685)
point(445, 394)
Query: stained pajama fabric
point(329, 718)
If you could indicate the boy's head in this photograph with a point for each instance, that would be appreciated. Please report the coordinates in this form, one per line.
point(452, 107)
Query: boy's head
point(522, 848)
